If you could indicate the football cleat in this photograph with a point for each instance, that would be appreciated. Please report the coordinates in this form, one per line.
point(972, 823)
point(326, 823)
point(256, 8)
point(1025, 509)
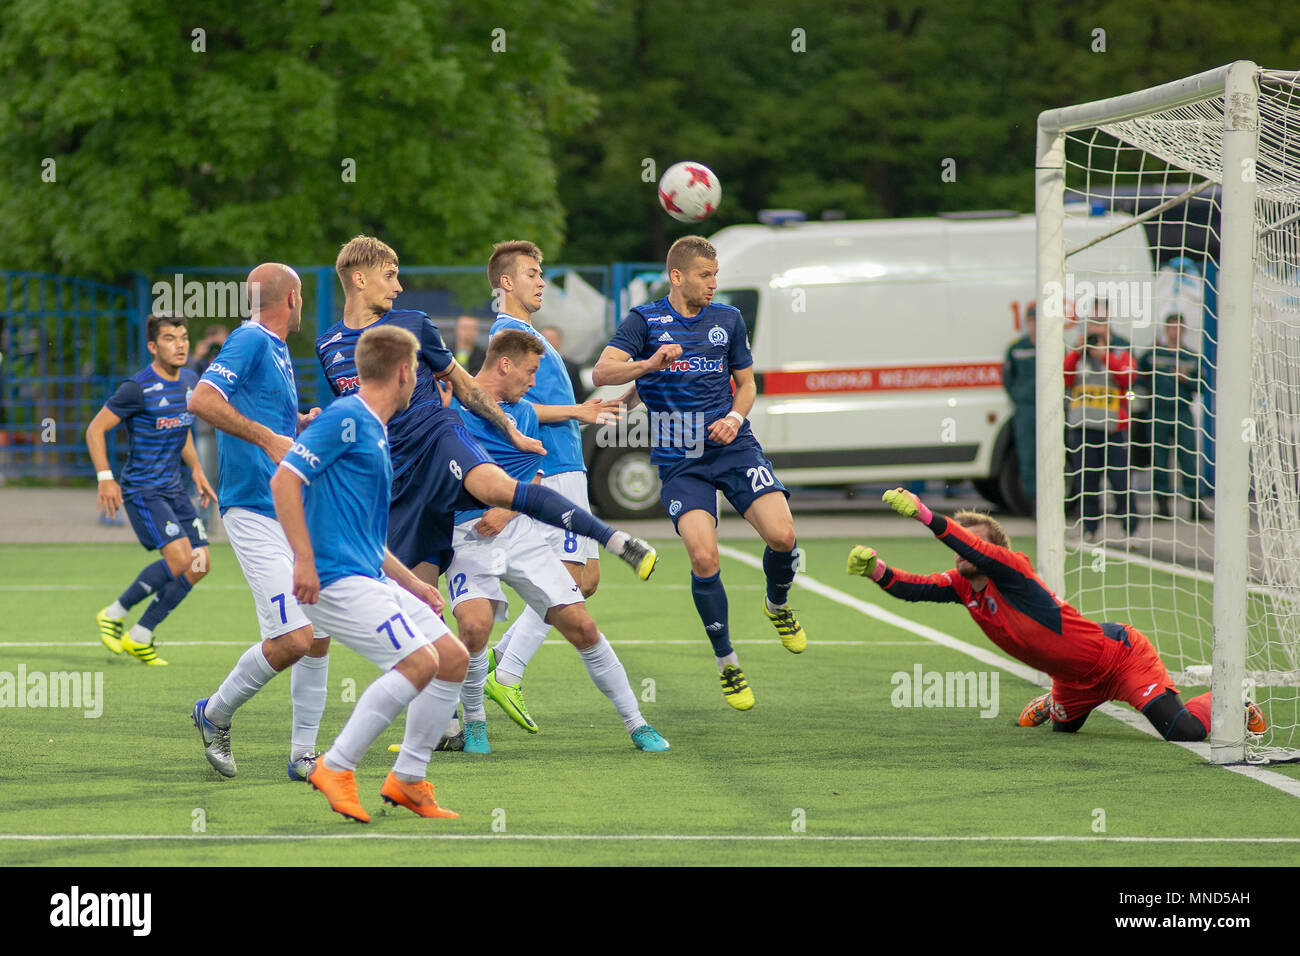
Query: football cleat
point(1036, 711)
point(511, 699)
point(792, 635)
point(143, 653)
point(734, 689)
point(492, 660)
point(111, 630)
point(300, 768)
point(416, 797)
point(475, 737)
point(649, 740)
point(1255, 721)
point(216, 741)
point(454, 741)
point(640, 556)
point(340, 789)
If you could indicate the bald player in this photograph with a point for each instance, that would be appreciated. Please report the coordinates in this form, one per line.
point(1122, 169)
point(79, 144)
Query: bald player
point(248, 394)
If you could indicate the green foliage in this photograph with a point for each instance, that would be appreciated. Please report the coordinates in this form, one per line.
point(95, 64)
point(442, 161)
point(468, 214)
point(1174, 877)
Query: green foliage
point(237, 152)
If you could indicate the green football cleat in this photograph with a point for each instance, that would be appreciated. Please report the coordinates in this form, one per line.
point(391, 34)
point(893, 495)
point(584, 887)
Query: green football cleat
point(144, 653)
point(735, 690)
point(792, 635)
point(111, 630)
point(511, 700)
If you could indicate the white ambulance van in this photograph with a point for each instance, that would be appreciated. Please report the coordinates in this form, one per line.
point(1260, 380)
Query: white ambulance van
point(878, 345)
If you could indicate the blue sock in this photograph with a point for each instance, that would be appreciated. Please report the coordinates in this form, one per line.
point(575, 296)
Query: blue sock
point(711, 603)
point(779, 568)
point(151, 579)
point(551, 507)
point(172, 594)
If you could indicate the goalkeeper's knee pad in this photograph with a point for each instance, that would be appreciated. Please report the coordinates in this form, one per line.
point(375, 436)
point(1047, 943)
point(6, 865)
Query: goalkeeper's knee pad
point(1171, 718)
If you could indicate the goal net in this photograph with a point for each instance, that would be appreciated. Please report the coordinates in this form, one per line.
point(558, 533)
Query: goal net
point(1169, 384)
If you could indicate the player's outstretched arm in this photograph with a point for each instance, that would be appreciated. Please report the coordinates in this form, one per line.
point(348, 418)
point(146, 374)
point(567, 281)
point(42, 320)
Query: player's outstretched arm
point(477, 401)
point(286, 492)
point(865, 562)
point(211, 406)
point(110, 492)
point(908, 505)
point(991, 559)
point(615, 367)
point(407, 580)
point(936, 588)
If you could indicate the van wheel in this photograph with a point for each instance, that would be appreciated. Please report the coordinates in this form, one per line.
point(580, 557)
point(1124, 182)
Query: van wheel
point(624, 484)
point(990, 490)
point(1014, 498)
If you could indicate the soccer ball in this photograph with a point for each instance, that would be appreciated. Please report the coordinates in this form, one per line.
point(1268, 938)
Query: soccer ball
point(689, 192)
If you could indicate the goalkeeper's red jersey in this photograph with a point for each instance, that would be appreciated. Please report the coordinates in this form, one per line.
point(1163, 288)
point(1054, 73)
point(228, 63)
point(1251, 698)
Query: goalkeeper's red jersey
point(1015, 609)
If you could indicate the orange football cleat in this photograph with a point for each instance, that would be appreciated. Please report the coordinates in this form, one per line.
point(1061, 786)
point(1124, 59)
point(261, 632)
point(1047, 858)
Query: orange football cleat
point(1255, 721)
point(416, 797)
point(1036, 711)
point(340, 789)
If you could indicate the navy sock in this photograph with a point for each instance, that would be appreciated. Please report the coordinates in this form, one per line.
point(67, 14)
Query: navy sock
point(151, 579)
point(172, 594)
point(551, 507)
point(711, 603)
point(779, 568)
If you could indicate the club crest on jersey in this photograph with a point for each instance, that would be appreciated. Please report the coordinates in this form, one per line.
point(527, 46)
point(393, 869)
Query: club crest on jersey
point(171, 529)
point(674, 507)
point(718, 335)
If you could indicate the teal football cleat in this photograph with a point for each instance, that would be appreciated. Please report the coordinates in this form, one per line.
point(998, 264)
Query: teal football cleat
point(476, 741)
point(649, 740)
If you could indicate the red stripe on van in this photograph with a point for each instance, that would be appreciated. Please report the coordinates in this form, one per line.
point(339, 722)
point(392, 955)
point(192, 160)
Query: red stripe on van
point(883, 378)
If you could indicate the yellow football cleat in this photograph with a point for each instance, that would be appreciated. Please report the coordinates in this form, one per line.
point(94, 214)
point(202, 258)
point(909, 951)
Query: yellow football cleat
point(143, 653)
point(734, 689)
point(792, 635)
point(111, 630)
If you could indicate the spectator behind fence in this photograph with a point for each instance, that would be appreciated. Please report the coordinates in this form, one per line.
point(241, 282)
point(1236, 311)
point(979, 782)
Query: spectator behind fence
point(1171, 374)
point(1019, 377)
point(556, 338)
point(468, 352)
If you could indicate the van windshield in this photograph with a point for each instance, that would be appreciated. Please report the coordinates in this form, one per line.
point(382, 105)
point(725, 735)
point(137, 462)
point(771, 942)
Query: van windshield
point(746, 300)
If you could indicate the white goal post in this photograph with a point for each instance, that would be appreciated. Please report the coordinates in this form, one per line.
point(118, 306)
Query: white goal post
point(1230, 132)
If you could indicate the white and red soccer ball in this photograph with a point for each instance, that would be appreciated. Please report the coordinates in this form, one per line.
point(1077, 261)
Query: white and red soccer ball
point(689, 192)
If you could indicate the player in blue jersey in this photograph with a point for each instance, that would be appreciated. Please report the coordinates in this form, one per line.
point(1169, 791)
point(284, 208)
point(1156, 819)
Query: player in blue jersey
point(496, 545)
point(331, 494)
point(152, 403)
point(249, 395)
point(515, 276)
point(437, 466)
point(683, 352)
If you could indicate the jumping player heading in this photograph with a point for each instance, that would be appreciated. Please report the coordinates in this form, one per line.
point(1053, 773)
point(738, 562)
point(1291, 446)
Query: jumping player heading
point(683, 352)
point(1089, 663)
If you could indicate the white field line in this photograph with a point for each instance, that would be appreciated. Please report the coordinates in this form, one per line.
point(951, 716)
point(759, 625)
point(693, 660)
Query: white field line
point(621, 838)
point(1125, 714)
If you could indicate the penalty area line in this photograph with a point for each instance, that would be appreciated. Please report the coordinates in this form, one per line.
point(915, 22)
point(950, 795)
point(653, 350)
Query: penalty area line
point(1124, 714)
point(628, 838)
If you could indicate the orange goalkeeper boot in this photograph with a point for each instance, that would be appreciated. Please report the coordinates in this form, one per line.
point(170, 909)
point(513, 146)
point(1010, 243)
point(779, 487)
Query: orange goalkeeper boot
point(1036, 711)
point(416, 797)
point(1255, 721)
point(340, 789)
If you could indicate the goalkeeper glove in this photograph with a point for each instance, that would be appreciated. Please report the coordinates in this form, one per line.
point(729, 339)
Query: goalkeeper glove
point(907, 505)
point(865, 562)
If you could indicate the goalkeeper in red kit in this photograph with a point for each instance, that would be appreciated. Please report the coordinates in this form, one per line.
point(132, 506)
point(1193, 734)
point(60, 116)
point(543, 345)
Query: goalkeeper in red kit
point(1089, 663)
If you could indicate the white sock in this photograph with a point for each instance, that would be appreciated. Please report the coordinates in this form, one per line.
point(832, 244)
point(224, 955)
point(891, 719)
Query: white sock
point(250, 674)
point(471, 692)
point(430, 712)
point(617, 541)
point(377, 708)
point(729, 659)
point(521, 642)
point(308, 688)
point(115, 611)
point(141, 635)
point(607, 673)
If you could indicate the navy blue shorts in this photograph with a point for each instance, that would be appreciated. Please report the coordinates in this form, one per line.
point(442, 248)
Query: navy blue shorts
point(428, 494)
point(739, 471)
point(161, 519)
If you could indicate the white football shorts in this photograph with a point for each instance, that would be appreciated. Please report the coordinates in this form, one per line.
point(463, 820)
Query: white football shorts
point(568, 546)
point(520, 557)
point(375, 617)
point(267, 562)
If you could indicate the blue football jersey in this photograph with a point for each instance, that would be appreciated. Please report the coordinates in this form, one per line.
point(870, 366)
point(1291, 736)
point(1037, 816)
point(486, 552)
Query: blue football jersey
point(562, 440)
point(157, 418)
point(695, 390)
point(255, 374)
point(519, 465)
point(411, 432)
point(343, 457)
